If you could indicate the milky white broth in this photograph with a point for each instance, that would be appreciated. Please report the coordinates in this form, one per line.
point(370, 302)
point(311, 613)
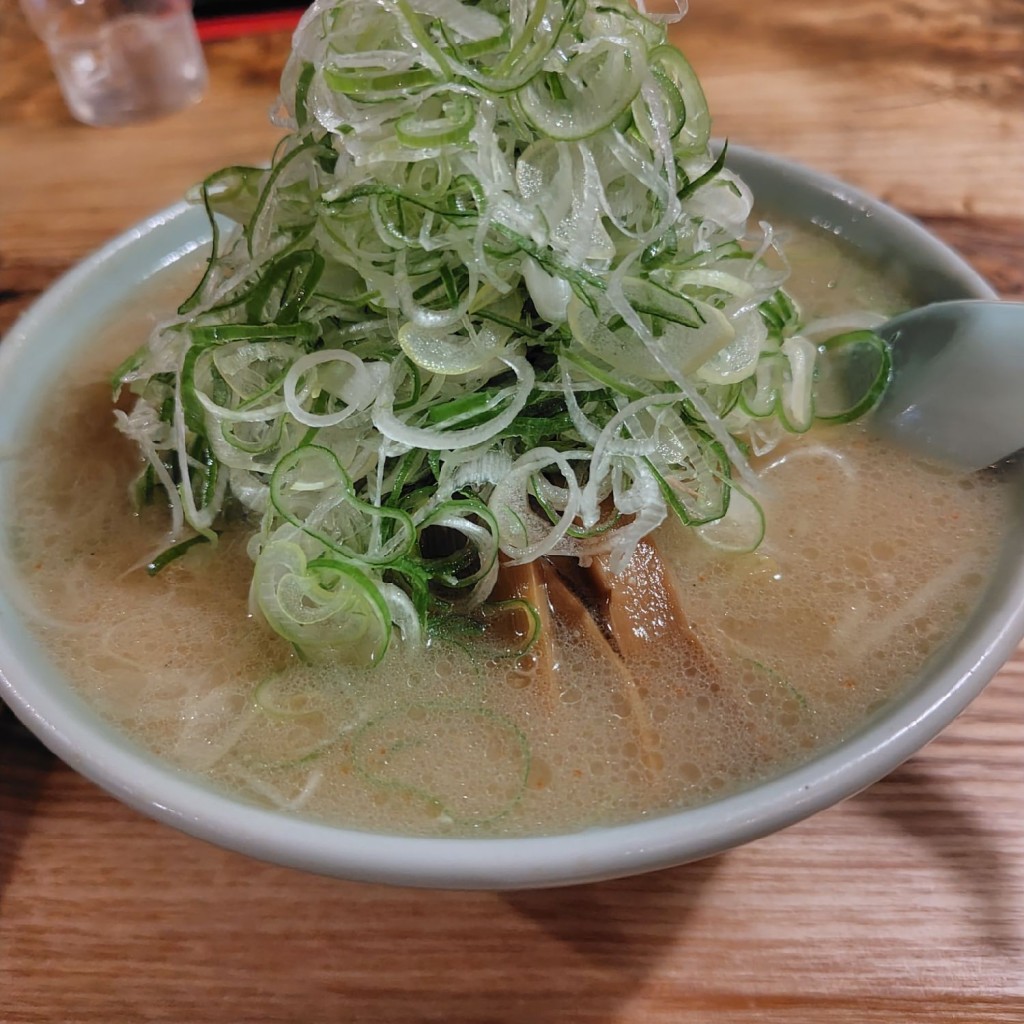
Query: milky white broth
point(869, 562)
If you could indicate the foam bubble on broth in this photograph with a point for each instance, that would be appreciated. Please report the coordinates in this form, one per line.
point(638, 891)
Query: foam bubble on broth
point(868, 564)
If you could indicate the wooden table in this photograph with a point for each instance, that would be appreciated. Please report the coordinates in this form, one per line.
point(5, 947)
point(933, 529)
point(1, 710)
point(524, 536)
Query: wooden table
point(903, 904)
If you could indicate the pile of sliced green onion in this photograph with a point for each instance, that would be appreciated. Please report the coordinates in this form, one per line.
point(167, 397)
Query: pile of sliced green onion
point(492, 296)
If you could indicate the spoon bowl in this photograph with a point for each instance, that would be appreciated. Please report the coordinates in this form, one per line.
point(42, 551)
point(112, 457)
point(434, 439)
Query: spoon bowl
point(956, 394)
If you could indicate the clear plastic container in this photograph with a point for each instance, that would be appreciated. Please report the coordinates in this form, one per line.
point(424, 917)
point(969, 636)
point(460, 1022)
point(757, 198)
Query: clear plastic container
point(119, 61)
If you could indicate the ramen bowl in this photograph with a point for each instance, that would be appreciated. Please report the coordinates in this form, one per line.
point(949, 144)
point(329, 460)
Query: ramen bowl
point(52, 331)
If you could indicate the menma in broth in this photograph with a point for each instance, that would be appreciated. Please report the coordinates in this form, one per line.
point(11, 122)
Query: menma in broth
point(869, 562)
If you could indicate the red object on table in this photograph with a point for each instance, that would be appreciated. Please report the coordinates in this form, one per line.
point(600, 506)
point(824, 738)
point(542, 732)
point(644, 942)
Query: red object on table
point(229, 25)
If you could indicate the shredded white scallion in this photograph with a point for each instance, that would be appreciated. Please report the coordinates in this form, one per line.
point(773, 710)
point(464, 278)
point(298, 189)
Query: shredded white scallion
point(495, 283)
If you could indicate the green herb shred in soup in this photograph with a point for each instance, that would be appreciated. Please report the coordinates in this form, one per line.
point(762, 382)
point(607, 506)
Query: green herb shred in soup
point(497, 408)
point(492, 302)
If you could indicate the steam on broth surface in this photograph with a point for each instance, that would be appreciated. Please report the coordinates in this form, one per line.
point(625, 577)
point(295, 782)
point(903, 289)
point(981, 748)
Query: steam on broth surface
point(869, 562)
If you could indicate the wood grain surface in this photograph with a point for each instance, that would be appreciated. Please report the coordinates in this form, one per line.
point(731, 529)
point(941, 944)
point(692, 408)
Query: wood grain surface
point(904, 904)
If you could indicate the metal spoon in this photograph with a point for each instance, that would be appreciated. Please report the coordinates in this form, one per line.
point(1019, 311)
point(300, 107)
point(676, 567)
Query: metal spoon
point(957, 388)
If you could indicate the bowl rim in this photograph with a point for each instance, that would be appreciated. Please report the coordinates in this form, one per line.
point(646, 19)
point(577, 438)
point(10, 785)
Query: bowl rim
point(86, 742)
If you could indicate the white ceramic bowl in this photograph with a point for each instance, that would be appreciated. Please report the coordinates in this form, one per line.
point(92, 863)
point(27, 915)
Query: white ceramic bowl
point(66, 315)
